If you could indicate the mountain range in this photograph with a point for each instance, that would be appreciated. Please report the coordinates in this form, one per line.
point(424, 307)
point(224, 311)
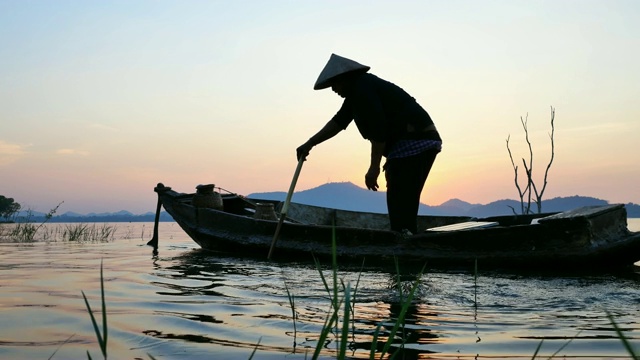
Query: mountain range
point(73, 217)
point(348, 196)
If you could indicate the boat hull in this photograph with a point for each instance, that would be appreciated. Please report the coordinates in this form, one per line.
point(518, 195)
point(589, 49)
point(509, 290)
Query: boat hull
point(588, 238)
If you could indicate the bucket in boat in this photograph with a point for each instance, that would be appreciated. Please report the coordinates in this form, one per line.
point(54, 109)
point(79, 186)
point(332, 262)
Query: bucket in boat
point(265, 211)
point(205, 197)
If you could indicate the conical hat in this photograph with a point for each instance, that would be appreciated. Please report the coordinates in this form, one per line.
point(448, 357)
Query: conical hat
point(337, 65)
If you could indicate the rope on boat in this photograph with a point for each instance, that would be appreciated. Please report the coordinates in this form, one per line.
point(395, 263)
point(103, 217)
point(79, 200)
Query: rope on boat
point(238, 195)
point(255, 205)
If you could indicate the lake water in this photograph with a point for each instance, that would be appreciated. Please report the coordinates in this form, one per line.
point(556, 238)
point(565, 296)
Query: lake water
point(185, 303)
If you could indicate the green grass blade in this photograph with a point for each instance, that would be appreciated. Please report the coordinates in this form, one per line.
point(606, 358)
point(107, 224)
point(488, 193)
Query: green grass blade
point(374, 342)
point(102, 341)
point(334, 265)
point(103, 344)
point(564, 345)
point(537, 350)
point(623, 338)
point(475, 284)
point(324, 280)
point(93, 319)
point(328, 324)
point(398, 278)
point(405, 306)
point(344, 336)
point(255, 349)
point(292, 303)
point(64, 342)
point(355, 292)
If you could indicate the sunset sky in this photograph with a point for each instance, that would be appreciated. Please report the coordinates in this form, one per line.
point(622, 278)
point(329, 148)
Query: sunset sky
point(101, 100)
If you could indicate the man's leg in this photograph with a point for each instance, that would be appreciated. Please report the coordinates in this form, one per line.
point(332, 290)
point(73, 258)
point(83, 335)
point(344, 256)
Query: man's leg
point(405, 181)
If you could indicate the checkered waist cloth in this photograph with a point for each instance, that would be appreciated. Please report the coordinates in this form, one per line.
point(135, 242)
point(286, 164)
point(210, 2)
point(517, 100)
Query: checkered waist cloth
point(406, 148)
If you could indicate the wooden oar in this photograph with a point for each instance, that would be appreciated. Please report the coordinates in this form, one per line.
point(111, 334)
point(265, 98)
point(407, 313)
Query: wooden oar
point(285, 206)
point(154, 240)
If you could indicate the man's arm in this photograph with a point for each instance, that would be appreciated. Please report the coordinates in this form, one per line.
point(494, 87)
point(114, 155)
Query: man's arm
point(371, 178)
point(330, 130)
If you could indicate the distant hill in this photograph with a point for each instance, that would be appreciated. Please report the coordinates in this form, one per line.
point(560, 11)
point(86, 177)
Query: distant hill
point(344, 195)
point(348, 196)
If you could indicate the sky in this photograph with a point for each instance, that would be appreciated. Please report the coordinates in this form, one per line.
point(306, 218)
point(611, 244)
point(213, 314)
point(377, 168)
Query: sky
point(102, 100)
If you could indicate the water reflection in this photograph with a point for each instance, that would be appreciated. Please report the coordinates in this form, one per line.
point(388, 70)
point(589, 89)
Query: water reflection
point(185, 302)
point(452, 313)
point(377, 297)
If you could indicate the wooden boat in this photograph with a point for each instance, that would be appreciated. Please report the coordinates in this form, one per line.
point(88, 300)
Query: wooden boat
point(584, 238)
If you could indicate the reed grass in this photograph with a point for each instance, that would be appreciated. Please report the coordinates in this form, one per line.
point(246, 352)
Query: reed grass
point(88, 233)
point(76, 232)
point(342, 306)
point(25, 230)
point(59, 346)
point(333, 319)
point(102, 337)
point(623, 338)
point(129, 233)
point(557, 351)
point(250, 356)
point(28, 232)
point(292, 304)
point(475, 284)
point(403, 311)
point(334, 309)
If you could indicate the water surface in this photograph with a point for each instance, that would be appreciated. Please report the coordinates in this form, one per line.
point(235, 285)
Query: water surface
point(187, 303)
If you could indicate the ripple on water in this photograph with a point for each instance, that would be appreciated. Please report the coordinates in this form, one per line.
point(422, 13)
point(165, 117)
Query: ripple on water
point(188, 302)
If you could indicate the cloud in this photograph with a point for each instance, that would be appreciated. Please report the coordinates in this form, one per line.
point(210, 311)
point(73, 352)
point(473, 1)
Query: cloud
point(72, 152)
point(9, 153)
point(603, 128)
point(102, 127)
point(11, 149)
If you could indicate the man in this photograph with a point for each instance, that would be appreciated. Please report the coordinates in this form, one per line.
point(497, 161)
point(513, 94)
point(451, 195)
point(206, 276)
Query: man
point(397, 127)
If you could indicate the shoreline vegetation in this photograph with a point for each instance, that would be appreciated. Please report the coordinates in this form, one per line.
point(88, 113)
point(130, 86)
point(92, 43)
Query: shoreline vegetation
point(36, 218)
point(31, 230)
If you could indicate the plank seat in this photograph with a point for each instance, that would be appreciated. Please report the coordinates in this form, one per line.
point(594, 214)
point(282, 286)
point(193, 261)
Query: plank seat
point(468, 225)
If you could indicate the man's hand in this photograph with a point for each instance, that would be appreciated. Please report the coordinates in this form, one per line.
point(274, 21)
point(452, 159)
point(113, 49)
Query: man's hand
point(371, 178)
point(303, 151)
point(330, 130)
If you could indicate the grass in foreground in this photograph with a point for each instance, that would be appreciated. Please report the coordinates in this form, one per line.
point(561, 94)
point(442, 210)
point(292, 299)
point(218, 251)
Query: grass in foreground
point(102, 337)
point(346, 303)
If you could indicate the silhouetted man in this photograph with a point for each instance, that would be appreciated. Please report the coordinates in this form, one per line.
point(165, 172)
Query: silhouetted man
point(395, 124)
